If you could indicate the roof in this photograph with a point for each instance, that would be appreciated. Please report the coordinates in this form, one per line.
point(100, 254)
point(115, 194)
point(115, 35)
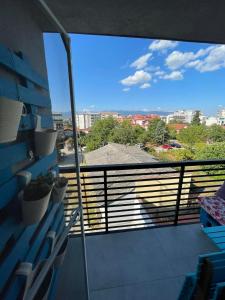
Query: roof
point(118, 154)
point(201, 20)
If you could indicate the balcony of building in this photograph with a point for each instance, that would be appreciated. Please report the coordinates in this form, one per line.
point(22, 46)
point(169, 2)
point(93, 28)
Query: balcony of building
point(143, 233)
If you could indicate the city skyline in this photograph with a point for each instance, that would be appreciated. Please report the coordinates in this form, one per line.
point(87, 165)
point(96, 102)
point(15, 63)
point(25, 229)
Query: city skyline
point(112, 73)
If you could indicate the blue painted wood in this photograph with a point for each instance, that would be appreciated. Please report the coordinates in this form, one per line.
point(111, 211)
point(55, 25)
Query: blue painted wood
point(39, 239)
point(21, 67)
point(11, 188)
point(5, 175)
point(11, 90)
point(30, 96)
point(12, 154)
point(28, 122)
point(16, 254)
point(214, 229)
point(15, 287)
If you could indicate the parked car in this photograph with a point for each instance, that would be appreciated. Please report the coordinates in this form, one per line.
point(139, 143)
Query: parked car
point(175, 145)
point(167, 147)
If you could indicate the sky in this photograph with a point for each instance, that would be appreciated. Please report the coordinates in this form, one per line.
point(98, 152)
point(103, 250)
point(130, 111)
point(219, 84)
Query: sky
point(118, 73)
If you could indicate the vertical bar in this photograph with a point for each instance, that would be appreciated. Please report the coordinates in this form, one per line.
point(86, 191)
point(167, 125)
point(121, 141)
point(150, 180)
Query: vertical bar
point(179, 192)
point(106, 201)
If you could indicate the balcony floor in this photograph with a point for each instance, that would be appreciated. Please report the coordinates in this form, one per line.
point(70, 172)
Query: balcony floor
point(134, 265)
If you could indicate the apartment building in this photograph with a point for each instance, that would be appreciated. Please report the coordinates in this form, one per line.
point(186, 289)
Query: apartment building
point(107, 114)
point(86, 120)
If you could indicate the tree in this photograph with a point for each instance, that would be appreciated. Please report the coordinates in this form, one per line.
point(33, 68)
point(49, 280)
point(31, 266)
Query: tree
point(100, 133)
point(193, 135)
point(157, 132)
point(196, 118)
point(125, 133)
point(216, 133)
point(213, 151)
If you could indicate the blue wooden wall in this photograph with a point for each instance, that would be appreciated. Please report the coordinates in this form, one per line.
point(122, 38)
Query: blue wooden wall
point(19, 243)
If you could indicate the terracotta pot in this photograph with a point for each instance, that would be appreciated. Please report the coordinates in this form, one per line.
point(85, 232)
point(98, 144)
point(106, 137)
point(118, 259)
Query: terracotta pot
point(10, 115)
point(61, 255)
point(33, 210)
point(44, 141)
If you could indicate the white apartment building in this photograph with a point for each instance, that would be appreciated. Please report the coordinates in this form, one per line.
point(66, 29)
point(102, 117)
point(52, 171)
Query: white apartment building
point(86, 120)
point(184, 116)
point(209, 121)
point(108, 114)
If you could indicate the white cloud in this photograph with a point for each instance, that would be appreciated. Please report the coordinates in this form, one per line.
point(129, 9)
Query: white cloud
point(160, 73)
point(178, 59)
point(145, 86)
point(193, 63)
point(126, 89)
point(214, 61)
point(139, 77)
point(141, 62)
point(175, 75)
point(162, 45)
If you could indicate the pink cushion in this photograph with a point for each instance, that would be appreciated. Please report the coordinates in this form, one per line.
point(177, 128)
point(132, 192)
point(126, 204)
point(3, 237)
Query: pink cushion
point(215, 207)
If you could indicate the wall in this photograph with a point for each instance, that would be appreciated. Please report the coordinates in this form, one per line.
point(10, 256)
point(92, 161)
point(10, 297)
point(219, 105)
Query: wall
point(23, 78)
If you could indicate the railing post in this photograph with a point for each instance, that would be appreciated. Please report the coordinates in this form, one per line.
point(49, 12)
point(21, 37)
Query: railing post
point(106, 201)
point(179, 192)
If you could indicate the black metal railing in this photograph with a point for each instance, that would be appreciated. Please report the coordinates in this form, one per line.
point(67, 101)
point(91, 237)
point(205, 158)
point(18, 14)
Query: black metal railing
point(130, 196)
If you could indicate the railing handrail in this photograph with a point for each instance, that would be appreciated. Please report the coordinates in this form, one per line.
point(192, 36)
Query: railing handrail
point(130, 166)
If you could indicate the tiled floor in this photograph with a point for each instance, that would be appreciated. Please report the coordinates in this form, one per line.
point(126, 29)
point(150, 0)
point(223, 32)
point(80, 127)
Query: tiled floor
point(134, 265)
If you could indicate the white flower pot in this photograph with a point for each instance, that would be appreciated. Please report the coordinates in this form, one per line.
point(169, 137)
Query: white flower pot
point(58, 192)
point(34, 210)
point(44, 141)
point(61, 255)
point(10, 114)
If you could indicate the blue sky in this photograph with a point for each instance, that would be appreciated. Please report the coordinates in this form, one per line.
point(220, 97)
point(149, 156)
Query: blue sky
point(117, 73)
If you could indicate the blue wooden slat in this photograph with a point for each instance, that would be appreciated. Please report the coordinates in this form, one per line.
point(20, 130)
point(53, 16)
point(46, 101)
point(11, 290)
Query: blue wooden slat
point(12, 154)
point(16, 254)
point(5, 175)
point(213, 229)
point(28, 122)
point(10, 89)
point(30, 96)
point(11, 188)
point(38, 241)
point(16, 64)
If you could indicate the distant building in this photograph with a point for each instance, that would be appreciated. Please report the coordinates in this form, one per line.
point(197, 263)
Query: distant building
point(177, 127)
point(182, 116)
point(209, 121)
point(86, 120)
point(108, 114)
point(221, 113)
point(221, 121)
point(59, 126)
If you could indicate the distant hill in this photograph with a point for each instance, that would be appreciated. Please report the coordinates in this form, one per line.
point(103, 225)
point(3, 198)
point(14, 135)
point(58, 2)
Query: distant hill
point(130, 112)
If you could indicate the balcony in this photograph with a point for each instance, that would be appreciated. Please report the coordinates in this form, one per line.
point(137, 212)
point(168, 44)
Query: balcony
point(135, 248)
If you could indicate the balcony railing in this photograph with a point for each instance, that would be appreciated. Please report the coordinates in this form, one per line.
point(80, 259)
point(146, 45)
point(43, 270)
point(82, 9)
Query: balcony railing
point(121, 197)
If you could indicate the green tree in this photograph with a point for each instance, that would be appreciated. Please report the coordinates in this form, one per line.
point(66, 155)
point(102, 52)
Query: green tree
point(125, 133)
point(100, 133)
point(216, 133)
point(157, 132)
point(213, 151)
point(192, 135)
point(196, 118)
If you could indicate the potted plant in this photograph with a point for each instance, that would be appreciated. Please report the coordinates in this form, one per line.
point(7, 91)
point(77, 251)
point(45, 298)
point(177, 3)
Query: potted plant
point(35, 199)
point(44, 141)
point(59, 189)
point(10, 114)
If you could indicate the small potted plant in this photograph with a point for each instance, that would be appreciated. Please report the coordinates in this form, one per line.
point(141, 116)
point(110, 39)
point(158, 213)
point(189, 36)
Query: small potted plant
point(59, 189)
point(35, 199)
point(10, 115)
